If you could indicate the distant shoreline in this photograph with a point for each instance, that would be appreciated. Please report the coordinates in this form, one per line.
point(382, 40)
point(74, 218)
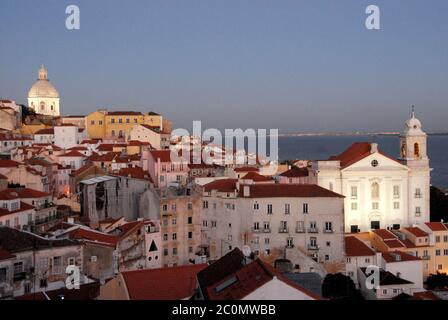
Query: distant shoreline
point(350, 134)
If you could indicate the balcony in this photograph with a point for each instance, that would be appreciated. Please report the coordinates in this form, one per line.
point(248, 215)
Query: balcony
point(313, 247)
point(283, 230)
point(300, 230)
point(313, 230)
point(426, 257)
point(289, 246)
point(328, 231)
point(255, 230)
point(19, 276)
point(267, 230)
point(417, 195)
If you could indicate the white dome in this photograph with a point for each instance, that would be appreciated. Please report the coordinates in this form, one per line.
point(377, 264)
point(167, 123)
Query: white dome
point(413, 126)
point(42, 88)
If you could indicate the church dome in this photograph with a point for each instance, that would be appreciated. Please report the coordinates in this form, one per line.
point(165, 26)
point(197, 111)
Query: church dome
point(42, 88)
point(413, 126)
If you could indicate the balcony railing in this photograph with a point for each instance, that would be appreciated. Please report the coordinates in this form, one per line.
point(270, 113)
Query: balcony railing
point(313, 230)
point(417, 195)
point(283, 230)
point(300, 230)
point(256, 230)
point(426, 257)
point(267, 230)
point(313, 247)
point(328, 231)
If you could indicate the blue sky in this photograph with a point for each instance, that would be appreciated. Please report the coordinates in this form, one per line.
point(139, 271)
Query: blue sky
point(293, 65)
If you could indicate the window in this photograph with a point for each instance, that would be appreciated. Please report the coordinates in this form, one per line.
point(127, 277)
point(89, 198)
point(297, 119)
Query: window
point(2, 275)
point(437, 238)
point(205, 204)
point(438, 252)
point(269, 208)
point(266, 226)
point(354, 192)
point(174, 236)
point(100, 122)
point(396, 191)
point(445, 252)
point(289, 242)
point(418, 193)
point(256, 226)
point(18, 268)
point(375, 205)
point(14, 206)
point(190, 206)
point(367, 260)
point(328, 226)
point(190, 235)
point(174, 222)
point(190, 220)
point(328, 244)
point(439, 267)
point(128, 120)
point(384, 291)
point(92, 122)
point(418, 211)
point(305, 208)
point(445, 238)
point(396, 205)
point(287, 208)
point(267, 240)
point(120, 120)
point(204, 223)
point(354, 206)
point(213, 224)
point(113, 133)
point(375, 190)
point(165, 252)
point(165, 237)
point(256, 206)
point(174, 251)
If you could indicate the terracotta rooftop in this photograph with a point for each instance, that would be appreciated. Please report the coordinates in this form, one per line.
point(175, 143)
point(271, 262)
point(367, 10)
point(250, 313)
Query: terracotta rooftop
point(9, 164)
point(163, 155)
point(246, 169)
point(436, 226)
point(45, 131)
point(384, 234)
point(416, 231)
point(287, 190)
point(73, 153)
point(256, 177)
point(398, 256)
point(356, 248)
point(173, 283)
point(295, 173)
point(355, 153)
point(221, 185)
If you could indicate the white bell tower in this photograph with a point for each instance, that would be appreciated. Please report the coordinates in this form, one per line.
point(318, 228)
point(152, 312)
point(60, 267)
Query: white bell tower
point(413, 153)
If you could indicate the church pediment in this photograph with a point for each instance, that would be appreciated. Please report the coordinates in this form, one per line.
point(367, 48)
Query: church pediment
point(376, 162)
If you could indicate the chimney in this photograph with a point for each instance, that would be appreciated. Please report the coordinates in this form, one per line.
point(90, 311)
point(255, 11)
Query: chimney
point(374, 147)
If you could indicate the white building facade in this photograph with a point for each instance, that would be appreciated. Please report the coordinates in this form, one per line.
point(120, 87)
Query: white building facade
point(380, 191)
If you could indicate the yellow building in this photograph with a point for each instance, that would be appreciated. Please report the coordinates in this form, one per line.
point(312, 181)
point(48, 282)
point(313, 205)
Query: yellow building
point(104, 124)
point(439, 237)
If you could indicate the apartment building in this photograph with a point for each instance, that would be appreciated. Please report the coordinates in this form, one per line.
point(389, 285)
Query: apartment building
point(275, 220)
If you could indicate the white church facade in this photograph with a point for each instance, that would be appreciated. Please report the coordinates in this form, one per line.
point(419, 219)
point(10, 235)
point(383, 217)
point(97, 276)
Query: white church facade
point(380, 191)
point(43, 97)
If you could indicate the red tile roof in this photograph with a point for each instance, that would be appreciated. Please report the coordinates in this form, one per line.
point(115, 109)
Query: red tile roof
point(436, 226)
point(94, 236)
point(425, 295)
point(27, 193)
point(246, 169)
point(136, 173)
point(78, 148)
point(398, 256)
point(355, 153)
point(124, 113)
point(288, 190)
point(45, 131)
point(356, 248)
point(105, 147)
point(23, 207)
point(417, 232)
point(163, 155)
point(394, 244)
point(82, 169)
point(256, 177)
point(221, 185)
point(384, 234)
point(173, 283)
point(73, 153)
point(137, 143)
point(295, 173)
point(9, 164)
point(5, 254)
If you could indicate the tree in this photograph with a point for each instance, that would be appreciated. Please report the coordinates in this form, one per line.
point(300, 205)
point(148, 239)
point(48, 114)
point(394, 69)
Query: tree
point(437, 281)
point(340, 287)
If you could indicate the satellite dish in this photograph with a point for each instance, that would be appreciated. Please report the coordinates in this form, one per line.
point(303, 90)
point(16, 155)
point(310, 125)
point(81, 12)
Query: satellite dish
point(247, 251)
